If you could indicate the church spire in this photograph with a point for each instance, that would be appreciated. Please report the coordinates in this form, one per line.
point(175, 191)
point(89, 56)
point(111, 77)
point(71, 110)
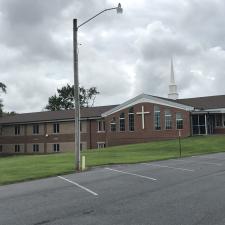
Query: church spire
point(172, 80)
point(172, 86)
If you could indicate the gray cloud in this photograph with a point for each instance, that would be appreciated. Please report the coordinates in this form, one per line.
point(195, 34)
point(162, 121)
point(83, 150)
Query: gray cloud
point(123, 55)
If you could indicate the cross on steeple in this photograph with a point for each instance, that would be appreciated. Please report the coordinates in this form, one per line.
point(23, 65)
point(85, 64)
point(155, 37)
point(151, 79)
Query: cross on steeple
point(142, 113)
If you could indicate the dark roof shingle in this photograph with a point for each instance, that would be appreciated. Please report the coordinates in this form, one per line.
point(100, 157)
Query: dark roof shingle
point(91, 112)
point(209, 102)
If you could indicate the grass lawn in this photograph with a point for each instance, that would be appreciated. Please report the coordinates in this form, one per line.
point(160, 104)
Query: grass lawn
point(21, 168)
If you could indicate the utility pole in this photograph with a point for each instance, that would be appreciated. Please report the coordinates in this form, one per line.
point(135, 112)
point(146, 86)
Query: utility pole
point(76, 97)
point(76, 83)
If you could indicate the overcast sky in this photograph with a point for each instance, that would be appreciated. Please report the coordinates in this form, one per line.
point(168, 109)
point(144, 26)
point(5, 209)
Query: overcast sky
point(122, 55)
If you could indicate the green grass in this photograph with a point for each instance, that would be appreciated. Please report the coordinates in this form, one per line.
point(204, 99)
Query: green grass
point(21, 168)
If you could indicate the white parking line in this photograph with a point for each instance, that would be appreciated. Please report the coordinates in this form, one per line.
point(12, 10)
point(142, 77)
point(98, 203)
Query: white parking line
point(200, 162)
point(169, 167)
point(133, 174)
point(78, 185)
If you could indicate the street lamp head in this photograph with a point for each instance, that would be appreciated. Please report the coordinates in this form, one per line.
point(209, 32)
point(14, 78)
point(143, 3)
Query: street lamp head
point(119, 9)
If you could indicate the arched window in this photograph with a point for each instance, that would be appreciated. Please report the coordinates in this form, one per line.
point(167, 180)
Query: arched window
point(122, 122)
point(131, 119)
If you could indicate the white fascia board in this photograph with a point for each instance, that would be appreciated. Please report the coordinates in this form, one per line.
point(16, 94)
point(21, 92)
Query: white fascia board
point(219, 110)
point(143, 98)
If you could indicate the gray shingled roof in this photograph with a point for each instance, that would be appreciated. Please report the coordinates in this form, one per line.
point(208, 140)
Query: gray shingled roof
point(92, 112)
point(209, 102)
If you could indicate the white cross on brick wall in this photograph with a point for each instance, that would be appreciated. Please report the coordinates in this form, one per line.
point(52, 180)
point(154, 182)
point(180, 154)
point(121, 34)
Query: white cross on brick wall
point(142, 113)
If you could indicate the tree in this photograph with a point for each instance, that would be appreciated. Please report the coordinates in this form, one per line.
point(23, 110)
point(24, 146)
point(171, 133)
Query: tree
point(65, 98)
point(2, 89)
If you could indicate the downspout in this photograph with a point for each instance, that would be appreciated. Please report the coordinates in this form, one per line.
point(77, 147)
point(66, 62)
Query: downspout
point(191, 125)
point(90, 133)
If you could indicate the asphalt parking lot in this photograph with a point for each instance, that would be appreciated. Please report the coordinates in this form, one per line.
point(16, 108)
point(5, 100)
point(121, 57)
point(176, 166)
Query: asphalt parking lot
point(187, 191)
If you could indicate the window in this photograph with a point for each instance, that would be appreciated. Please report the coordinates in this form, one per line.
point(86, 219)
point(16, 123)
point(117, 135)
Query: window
point(56, 128)
point(219, 120)
point(101, 125)
point(35, 148)
point(56, 148)
point(122, 122)
point(101, 144)
point(17, 148)
point(83, 126)
point(113, 124)
point(157, 118)
point(17, 129)
point(36, 129)
point(168, 120)
point(179, 120)
point(131, 119)
point(1, 148)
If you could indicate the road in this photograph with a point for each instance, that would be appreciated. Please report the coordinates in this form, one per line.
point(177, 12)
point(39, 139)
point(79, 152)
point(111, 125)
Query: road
point(190, 191)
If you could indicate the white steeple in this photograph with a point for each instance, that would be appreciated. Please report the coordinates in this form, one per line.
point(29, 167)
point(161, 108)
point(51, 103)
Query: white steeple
point(172, 86)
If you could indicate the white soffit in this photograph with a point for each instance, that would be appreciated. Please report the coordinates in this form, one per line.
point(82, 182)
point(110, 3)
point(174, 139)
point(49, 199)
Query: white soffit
point(220, 110)
point(144, 98)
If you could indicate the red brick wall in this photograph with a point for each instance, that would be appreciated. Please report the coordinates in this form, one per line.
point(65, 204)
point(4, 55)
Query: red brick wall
point(218, 130)
point(93, 136)
point(149, 133)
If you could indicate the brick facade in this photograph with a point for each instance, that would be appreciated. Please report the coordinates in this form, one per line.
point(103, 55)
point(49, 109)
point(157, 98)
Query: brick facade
point(50, 140)
point(148, 133)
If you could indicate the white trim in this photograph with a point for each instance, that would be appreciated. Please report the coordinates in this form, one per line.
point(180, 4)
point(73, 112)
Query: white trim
point(219, 110)
point(102, 124)
point(148, 99)
point(100, 143)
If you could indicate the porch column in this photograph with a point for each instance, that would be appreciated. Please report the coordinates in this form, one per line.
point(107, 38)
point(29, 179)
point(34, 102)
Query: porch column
point(206, 125)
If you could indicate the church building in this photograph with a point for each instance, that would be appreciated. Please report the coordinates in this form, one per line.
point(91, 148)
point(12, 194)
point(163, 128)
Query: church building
point(143, 118)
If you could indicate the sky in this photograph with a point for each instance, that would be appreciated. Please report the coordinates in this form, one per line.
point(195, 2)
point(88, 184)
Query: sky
point(123, 55)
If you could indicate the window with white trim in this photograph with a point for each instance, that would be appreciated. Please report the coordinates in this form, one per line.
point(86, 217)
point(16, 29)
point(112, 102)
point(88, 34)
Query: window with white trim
point(122, 121)
point(17, 129)
point(83, 126)
point(35, 147)
point(157, 124)
point(179, 121)
point(56, 148)
point(131, 119)
point(113, 124)
point(101, 144)
point(56, 128)
point(168, 120)
point(101, 126)
point(35, 128)
point(17, 148)
point(218, 119)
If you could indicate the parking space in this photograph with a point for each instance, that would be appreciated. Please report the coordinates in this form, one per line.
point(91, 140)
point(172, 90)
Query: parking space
point(178, 191)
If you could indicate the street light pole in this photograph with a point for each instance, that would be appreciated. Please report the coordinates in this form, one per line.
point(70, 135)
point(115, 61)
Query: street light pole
point(76, 97)
point(76, 83)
